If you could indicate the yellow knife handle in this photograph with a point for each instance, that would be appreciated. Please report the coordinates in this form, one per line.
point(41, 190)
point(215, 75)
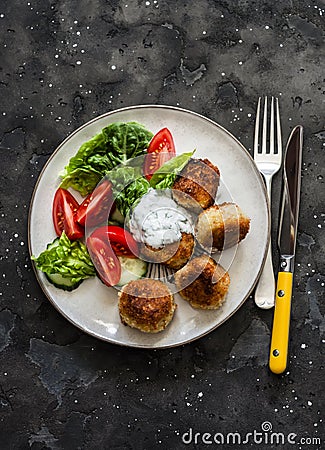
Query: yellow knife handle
point(281, 323)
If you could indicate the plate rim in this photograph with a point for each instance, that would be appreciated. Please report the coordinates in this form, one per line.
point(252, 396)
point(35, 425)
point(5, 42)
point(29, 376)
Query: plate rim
point(107, 114)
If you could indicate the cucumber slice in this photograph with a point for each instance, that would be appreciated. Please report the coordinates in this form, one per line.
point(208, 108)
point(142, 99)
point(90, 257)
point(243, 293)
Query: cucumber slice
point(56, 278)
point(132, 269)
point(61, 282)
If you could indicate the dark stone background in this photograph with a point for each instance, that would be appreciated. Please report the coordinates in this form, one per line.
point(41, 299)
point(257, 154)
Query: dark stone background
point(60, 388)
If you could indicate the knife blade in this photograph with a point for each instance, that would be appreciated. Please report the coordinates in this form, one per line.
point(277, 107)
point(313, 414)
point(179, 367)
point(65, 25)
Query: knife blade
point(287, 236)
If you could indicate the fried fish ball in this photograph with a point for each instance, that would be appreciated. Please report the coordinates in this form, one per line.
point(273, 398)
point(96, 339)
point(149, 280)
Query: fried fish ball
point(203, 283)
point(221, 226)
point(147, 305)
point(173, 255)
point(197, 185)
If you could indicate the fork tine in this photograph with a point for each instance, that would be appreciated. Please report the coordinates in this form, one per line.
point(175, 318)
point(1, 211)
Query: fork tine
point(272, 127)
point(257, 125)
point(278, 128)
point(164, 272)
point(150, 271)
point(264, 133)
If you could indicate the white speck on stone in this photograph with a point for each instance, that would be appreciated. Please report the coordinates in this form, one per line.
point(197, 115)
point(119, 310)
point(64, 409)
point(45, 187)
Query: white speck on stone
point(147, 3)
point(78, 62)
point(204, 32)
point(113, 67)
point(267, 27)
point(303, 346)
point(200, 394)
point(309, 403)
point(240, 63)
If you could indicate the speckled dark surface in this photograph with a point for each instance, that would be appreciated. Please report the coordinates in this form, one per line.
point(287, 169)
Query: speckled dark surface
point(65, 62)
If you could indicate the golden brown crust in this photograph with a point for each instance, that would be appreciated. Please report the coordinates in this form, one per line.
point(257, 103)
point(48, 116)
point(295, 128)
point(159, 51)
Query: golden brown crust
point(222, 226)
point(147, 305)
point(197, 185)
point(173, 255)
point(203, 283)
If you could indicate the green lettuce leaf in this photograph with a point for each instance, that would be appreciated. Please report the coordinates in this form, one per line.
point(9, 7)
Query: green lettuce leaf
point(67, 258)
point(82, 179)
point(116, 144)
point(125, 141)
point(165, 176)
point(128, 186)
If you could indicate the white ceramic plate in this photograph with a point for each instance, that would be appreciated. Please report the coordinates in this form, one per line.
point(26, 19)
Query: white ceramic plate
point(92, 306)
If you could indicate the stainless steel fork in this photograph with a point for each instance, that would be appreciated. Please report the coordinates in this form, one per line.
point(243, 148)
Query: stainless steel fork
point(268, 159)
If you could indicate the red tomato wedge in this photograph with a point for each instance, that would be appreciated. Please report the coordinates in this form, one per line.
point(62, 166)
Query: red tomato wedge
point(160, 150)
point(121, 241)
point(97, 206)
point(63, 214)
point(105, 261)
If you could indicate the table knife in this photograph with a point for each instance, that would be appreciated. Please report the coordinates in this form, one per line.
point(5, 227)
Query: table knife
point(287, 243)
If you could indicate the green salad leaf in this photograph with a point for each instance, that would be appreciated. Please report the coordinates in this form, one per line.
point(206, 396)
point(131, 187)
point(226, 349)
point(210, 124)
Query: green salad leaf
point(68, 258)
point(116, 144)
point(125, 141)
point(128, 186)
point(87, 167)
point(82, 179)
point(165, 176)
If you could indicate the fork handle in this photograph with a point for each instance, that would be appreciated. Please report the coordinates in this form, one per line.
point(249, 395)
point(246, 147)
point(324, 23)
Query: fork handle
point(265, 289)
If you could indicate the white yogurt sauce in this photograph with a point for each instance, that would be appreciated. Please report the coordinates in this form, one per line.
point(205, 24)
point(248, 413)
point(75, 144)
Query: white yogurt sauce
point(157, 220)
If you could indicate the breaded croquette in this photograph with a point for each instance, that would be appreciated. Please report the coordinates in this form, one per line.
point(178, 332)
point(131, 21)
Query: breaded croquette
point(221, 226)
point(147, 305)
point(203, 283)
point(196, 186)
point(173, 255)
